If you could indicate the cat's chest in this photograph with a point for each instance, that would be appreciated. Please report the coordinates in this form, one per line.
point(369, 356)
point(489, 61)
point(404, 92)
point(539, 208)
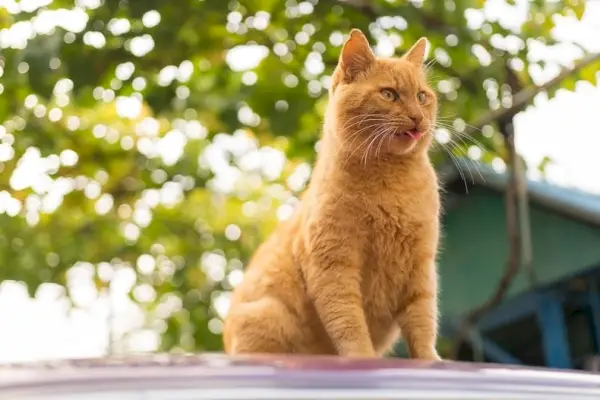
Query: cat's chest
point(394, 229)
point(388, 258)
point(399, 234)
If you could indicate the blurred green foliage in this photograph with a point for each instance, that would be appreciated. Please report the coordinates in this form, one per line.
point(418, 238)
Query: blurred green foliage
point(162, 140)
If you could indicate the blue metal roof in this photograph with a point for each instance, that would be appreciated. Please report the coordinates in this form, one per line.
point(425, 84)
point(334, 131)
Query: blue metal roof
point(570, 201)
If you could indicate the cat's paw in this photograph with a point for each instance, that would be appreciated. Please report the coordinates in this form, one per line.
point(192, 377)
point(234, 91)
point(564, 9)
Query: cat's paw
point(361, 353)
point(430, 355)
point(433, 356)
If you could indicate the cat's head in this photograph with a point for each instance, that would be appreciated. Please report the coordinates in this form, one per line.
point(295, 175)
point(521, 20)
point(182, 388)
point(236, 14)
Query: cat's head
point(381, 106)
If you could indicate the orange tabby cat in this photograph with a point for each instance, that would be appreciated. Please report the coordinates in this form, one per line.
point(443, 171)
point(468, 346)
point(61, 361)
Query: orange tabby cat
point(355, 265)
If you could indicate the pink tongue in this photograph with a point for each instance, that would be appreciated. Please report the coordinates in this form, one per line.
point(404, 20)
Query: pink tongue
point(414, 134)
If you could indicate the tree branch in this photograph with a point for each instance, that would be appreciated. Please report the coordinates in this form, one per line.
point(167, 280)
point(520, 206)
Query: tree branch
point(433, 23)
point(522, 98)
point(429, 22)
point(514, 247)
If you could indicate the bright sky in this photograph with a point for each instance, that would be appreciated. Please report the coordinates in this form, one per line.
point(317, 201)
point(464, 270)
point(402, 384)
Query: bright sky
point(566, 128)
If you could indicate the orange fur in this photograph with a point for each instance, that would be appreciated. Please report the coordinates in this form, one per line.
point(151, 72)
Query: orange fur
point(355, 265)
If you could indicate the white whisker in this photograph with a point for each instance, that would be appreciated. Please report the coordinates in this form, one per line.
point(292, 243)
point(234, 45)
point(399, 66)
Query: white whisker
point(389, 132)
point(462, 135)
point(375, 137)
point(355, 135)
point(361, 144)
point(455, 162)
point(453, 145)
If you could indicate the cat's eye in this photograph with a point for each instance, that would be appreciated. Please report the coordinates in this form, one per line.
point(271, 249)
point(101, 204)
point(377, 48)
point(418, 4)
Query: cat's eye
point(421, 97)
point(389, 94)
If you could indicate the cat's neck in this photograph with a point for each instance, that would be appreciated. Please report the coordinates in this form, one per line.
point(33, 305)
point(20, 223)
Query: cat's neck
point(337, 164)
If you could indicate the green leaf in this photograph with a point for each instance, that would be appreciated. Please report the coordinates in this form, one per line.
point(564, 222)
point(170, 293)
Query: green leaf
point(160, 124)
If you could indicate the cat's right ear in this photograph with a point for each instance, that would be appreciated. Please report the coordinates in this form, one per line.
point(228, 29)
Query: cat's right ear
point(417, 52)
point(356, 57)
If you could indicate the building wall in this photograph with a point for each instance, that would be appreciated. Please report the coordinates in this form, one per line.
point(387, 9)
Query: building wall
point(475, 249)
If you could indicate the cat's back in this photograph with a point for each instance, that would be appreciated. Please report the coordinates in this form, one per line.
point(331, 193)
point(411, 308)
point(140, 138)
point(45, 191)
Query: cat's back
point(271, 267)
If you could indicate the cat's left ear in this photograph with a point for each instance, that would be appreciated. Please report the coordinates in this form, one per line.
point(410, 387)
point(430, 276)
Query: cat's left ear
point(357, 57)
point(417, 53)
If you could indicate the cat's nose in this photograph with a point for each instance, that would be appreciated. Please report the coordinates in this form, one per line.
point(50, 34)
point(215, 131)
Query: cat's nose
point(417, 119)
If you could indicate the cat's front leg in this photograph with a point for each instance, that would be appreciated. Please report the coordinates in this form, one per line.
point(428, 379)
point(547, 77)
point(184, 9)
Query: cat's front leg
point(334, 289)
point(333, 279)
point(418, 319)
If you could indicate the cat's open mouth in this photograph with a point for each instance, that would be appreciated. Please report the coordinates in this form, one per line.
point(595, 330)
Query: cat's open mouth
point(412, 134)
